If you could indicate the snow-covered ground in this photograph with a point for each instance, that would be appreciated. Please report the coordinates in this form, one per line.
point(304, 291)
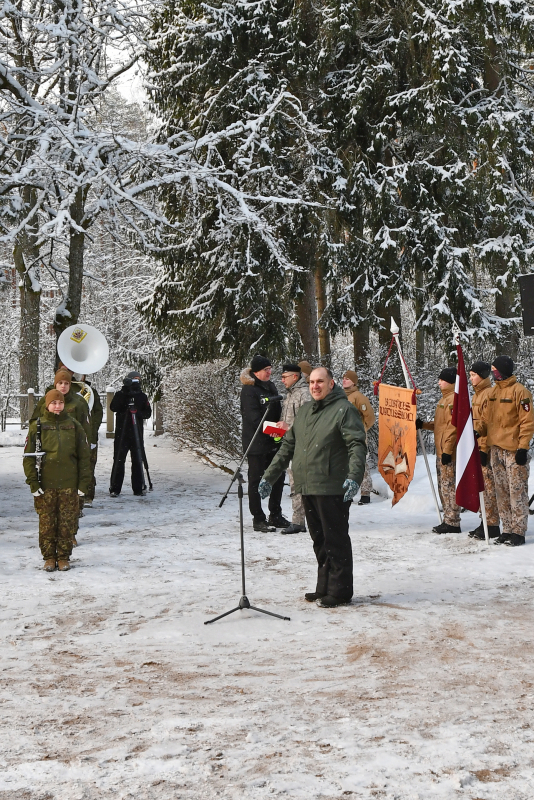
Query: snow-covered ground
point(111, 686)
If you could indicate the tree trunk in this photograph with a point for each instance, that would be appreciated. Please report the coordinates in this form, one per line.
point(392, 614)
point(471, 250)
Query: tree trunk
point(360, 335)
point(306, 310)
point(320, 297)
point(30, 302)
point(419, 331)
point(68, 311)
point(504, 307)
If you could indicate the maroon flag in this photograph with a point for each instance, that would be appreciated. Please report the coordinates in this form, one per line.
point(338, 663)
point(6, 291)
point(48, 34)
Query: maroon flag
point(469, 478)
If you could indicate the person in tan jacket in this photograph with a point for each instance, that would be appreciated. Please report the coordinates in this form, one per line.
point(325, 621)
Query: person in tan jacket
point(363, 404)
point(508, 424)
point(479, 375)
point(445, 440)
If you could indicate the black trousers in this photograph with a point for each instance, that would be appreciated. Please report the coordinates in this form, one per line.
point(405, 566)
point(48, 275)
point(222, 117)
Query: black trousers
point(119, 463)
point(256, 467)
point(328, 523)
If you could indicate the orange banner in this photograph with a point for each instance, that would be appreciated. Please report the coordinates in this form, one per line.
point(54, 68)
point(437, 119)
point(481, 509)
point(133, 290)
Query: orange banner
point(397, 440)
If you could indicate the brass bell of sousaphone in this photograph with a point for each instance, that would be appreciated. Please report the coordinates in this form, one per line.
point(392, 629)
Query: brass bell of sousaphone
point(83, 349)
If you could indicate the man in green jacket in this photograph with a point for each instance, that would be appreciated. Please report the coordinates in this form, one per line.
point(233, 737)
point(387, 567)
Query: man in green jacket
point(328, 450)
point(83, 389)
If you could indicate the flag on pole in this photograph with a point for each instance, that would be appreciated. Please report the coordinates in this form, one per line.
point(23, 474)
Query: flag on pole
point(469, 478)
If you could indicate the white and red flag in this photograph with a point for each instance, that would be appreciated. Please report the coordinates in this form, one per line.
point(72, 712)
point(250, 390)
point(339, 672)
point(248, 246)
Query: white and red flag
point(469, 478)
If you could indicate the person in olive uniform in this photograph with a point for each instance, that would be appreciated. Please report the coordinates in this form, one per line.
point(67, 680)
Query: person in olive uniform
point(363, 404)
point(65, 476)
point(328, 449)
point(96, 414)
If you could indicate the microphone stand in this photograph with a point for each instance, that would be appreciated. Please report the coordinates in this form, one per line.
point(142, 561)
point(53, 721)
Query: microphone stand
point(238, 475)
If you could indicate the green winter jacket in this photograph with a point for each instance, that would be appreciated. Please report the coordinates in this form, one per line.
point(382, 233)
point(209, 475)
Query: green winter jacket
point(327, 446)
point(95, 415)
point(66, 463)
point(75, 406)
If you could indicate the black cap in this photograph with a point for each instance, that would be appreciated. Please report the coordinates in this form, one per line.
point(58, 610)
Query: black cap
point(448, 375)
point(291, 368)
point(258, 363)
point(481, 368)
point(505, 365)
point(134, 376)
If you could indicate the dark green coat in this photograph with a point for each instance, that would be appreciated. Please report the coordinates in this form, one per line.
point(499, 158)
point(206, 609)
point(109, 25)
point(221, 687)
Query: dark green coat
point(75, 406)
point(66, 464)
point(95, 415)
point(326, 444)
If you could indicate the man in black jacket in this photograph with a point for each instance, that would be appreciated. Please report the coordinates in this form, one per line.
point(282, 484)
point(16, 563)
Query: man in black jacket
point(128, 397)
point(258, 387)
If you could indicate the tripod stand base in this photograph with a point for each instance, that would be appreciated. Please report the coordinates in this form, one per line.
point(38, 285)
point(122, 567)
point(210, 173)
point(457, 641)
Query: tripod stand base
point(244, 603)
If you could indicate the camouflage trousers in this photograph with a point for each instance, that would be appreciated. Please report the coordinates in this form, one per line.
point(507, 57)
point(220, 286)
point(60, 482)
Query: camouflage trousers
point(58, 511)
point(299, 517)
point(367, 483)
point(490, 498)
point(447, 492)
point(511, 488)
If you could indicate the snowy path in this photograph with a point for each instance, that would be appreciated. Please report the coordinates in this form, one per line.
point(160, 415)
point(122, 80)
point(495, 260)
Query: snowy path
point(112, 687)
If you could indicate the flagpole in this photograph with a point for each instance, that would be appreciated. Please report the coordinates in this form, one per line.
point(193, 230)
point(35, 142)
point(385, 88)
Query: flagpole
point(395, 331)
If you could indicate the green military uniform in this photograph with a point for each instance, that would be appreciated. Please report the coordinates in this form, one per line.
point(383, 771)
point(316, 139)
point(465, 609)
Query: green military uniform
point(65, 470)
point(95, 420)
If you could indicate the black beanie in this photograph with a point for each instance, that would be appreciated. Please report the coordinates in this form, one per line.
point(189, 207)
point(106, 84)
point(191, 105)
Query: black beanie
point(291, 368)
point(134, 376)
point(258, 363)
point(448, 375)
point(481, 368)
point(505, 365)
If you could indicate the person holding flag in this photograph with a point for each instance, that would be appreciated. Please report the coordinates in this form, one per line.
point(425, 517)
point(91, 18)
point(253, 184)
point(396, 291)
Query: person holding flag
point(508, 423)
point(479, 376)
point(445, 440)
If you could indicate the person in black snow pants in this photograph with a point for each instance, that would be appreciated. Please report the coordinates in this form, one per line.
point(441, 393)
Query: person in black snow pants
point(129, 396)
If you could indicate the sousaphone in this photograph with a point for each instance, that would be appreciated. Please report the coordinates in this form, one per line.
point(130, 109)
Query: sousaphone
point(83, 349)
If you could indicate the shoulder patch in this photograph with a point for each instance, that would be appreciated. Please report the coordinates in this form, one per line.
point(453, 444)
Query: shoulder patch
point(364, 407)
point(526, 405)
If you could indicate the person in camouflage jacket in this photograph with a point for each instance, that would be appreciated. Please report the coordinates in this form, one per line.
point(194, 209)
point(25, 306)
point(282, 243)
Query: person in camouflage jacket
point(297, 393)
point(65, 476)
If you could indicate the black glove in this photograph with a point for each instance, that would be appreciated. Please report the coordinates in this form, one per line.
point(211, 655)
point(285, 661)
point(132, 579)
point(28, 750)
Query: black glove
point(418, 424)
point(483, 459)
point(521, 457)
point(446, 459)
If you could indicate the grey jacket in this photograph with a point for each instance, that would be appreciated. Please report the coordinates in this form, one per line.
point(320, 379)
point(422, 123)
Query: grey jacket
point(296, 396)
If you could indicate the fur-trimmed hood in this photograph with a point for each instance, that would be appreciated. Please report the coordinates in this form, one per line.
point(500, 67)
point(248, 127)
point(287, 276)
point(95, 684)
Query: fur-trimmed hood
point(246, 377)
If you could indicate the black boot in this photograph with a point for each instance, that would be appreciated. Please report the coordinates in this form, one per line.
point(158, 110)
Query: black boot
point(279, 521)
point(364, 500)
point(328, 601)
point(515, 540)
point(294, 528)
point(502, 539)
point(493, 532)
point(261, 526)
point(311, 597)
point(444, 528)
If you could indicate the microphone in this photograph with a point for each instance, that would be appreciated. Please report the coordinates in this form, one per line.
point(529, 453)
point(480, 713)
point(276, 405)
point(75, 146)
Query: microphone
point(265, 400)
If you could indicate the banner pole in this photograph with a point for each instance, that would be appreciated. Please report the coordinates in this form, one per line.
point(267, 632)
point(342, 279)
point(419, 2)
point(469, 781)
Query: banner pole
point(395, 331)
point(484, 518)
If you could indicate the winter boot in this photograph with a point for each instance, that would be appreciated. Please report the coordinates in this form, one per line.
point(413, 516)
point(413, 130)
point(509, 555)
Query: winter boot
point(364, 500)
point(445, 528)
point(328, 601)
point(114, 494)
point(279, 521)
point(493, 532)
point(63, 565)
point(312, 597)
point(514, 540)
point(293, 528)
point(49, 565)
point(261, 526)
point(502, 539)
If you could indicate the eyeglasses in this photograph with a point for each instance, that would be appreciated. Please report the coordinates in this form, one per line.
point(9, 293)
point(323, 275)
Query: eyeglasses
point(289, 374)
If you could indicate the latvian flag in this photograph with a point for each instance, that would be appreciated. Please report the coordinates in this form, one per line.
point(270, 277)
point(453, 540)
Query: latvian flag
point(469, 479)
